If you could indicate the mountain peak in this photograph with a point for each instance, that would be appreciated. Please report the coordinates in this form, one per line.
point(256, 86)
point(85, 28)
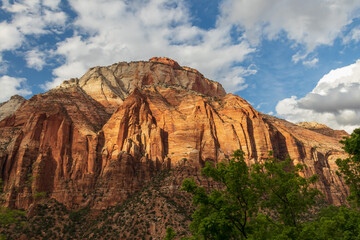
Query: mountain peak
point(165, 60)
point(313, 124)
point(111, 85)
point(9, 107)
point(98, 140)
point(323, 129)
point(17, 97)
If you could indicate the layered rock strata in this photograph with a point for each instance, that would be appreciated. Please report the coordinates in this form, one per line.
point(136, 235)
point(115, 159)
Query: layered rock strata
point(323, 129)
point(98, 139)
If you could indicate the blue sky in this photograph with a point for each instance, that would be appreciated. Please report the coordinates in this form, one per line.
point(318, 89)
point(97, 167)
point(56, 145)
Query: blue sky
point(297, 60)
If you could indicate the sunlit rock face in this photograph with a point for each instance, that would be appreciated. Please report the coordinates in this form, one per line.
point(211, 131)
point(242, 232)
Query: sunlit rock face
point(323, 129)
point(99, 139)
point(9, 107)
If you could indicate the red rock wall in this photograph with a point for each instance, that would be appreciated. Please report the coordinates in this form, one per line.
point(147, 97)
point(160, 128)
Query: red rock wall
point(73, 145)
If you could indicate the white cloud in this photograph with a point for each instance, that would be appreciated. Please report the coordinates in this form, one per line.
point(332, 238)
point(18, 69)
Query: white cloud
point(299, 56)
point(308, 22)
point(66, 71)
point(29, 17)
point(353, 35)
point(11, 36)
point(346, 75)
point(109, 31)
point(11, 86)
point(52, 4)
point(35, 59)
point(3, 65)
point(335, 101)
point(311, 63)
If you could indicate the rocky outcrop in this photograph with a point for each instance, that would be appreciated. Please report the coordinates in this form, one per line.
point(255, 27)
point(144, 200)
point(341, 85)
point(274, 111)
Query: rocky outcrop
point(111, 85)
point(98, 139)
point(323, 129)
point(9, 107)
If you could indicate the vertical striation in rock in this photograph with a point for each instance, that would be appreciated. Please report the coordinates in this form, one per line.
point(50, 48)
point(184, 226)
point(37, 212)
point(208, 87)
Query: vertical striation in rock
point(98, 139)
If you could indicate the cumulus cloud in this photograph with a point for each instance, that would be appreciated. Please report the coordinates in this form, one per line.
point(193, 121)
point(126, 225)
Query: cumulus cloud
point(308, 22)
point(35, 59)
point(11, 36)
point(109, 31)
point(11, 86)
point(335, 101)
point(29, 17)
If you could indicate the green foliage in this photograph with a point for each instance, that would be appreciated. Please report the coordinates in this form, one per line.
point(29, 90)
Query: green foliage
point(224, 213)
point(268, 200)
point(333, 223)
point(287, 196)
point(170, 234)
point(9, 216)
point(349, 168)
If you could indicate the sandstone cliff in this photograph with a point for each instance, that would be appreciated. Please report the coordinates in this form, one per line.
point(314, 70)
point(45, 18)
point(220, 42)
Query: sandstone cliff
point(9, 107)
point(323, 129)
point(98, 139)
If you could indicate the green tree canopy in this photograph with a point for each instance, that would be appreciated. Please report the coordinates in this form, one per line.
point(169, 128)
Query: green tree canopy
point(349, 168)
point(261, 201)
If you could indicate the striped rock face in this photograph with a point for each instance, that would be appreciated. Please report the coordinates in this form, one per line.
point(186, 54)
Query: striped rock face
point(99, 139)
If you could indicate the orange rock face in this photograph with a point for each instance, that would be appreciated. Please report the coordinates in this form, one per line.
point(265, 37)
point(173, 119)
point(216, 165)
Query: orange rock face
point(166, 61)
point(98, 139)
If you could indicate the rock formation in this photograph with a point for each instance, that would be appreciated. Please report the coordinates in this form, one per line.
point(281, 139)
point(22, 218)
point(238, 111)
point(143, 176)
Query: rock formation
point(98, 139)
point(323, 129)
point(9, 107)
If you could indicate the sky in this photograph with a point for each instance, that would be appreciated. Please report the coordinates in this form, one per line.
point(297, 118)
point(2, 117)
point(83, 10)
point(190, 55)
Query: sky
point(297, 60)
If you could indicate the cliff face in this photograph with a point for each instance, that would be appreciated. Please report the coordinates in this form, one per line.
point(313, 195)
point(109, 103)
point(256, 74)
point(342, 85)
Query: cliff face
point(9, 107)
point(98, 139)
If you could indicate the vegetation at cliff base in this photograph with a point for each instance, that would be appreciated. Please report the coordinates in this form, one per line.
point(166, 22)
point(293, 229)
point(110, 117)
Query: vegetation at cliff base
point(349, 168)
point(8, 216)
point(271, 200)
point(261, 201)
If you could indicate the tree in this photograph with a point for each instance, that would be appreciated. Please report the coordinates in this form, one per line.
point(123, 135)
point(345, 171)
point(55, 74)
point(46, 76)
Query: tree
point(349, 168)
point(8, 216)
point(333, 223)
point(263, 201)
point(287, 195)
point(170, 234)
point(224, 213)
